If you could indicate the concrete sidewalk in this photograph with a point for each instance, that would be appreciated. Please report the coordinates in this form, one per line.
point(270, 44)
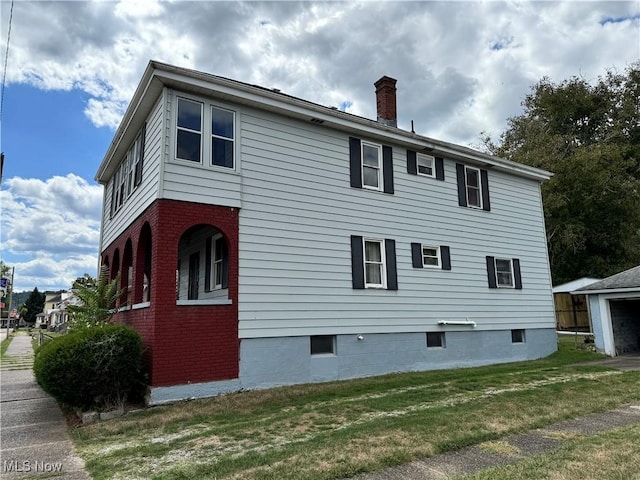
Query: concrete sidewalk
point(34, 440)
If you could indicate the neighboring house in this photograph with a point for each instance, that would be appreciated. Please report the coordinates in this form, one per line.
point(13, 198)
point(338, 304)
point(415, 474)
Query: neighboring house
point(266, 240)
point(614, 305)
point(54, 314)
point(572, 313)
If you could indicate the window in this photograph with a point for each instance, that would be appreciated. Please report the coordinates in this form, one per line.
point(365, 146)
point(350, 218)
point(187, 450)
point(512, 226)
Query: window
point(425, 165)
point(323, 344)
point(374, 273)
point(129, 173)
point(517, 336)
point(430, 256)
point(371, 168)
point(218, 249)
point(373, 263)
point(473, 187)
point(472, 181)
point(222, 137)
point(189, 129)
point(371, 165)
point(504, 273)
point(216, 261)
point(435, 339)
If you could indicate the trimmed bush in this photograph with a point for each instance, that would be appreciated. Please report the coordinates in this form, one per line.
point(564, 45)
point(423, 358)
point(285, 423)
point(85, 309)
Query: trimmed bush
point(95, 366)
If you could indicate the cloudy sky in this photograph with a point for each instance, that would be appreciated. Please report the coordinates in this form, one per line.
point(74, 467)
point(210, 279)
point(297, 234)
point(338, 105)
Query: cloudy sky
point(462, 68)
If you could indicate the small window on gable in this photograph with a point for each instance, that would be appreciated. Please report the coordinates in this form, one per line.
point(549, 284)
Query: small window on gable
point(517, 336)
point(189, 130)
point(435, 340)
point(426, 165)
point(323, 344)
point(371, 166)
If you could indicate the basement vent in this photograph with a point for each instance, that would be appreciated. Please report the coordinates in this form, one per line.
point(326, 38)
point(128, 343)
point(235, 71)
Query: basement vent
point(317, 120)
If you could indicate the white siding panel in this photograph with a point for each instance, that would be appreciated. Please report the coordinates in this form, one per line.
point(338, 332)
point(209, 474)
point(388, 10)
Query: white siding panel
point(299, 211)
point(194, 183)
point(148, 189)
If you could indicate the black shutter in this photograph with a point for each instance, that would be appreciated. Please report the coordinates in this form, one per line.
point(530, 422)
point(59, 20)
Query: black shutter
point(357, 262)
point(517, 277)
point(225, 264)
point(387, 168)
point(462, 188)
point(439, 168)
point(138, 174)
point(355, 162)
point(484, 178)
point(491, 272)
point(416, 255)
point(390, 256)
point(207, 265)
point(445, 255)
point(412, 163)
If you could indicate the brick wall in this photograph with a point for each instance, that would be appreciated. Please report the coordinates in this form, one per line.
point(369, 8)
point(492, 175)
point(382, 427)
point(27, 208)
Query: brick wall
point(184, 344)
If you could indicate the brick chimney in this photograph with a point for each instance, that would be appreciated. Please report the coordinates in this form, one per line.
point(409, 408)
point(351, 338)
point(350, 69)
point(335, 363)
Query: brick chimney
point(386, 101)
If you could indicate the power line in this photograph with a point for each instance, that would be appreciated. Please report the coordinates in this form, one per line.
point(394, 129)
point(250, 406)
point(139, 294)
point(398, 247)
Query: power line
point(6, 56)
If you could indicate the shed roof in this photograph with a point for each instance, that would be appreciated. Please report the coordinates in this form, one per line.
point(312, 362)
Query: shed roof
point(629, 279)
point(574, 285)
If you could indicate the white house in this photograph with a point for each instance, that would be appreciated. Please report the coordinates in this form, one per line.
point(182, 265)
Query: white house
point(267, 240)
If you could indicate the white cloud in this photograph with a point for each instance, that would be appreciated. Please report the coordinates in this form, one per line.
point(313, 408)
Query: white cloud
point(51, 229)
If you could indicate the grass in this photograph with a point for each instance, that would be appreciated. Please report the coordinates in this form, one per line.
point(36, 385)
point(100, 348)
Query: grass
point(613, 455)
point(339, 429)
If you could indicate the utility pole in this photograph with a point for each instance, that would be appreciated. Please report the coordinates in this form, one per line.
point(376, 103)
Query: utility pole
point(10, 290)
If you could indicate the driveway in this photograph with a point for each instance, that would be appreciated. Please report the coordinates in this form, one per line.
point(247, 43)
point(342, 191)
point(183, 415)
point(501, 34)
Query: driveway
point(626, 362)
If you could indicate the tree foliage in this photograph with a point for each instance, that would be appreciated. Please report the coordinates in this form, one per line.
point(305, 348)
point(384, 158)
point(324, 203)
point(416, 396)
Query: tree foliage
point(589, 137)
point(34, 305)
point(97, 299)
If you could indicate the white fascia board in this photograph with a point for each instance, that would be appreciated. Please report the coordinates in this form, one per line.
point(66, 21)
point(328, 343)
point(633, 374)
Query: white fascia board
point(634, 291)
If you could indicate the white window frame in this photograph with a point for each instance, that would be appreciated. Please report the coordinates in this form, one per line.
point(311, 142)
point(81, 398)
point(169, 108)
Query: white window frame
point(177, 128)
point(382, 263)
point(378, 147)
point(232, 139)
point(424, 159)
point(216, 263)
point(437, 256)
point(511, 273)
point(467, 187)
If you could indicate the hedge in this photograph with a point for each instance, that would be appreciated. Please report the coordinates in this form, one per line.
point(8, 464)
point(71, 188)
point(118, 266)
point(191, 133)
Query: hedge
point(92, 367)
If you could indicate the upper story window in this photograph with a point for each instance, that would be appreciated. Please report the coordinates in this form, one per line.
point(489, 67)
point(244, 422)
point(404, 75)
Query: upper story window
point(371, 165)
point(426, 165)
point(373, 263)
point(191, 119)
point(129, 173)
point(430, 256)
point(473, 187)
point(222, 137)
point(472, 183)
point(504, 273)
point(189, 130)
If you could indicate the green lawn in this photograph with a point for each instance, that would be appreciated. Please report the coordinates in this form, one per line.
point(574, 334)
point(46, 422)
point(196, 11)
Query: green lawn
point(336, 430)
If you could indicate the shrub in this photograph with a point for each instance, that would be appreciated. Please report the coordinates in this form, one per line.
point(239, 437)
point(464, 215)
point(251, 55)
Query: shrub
point(95, 366)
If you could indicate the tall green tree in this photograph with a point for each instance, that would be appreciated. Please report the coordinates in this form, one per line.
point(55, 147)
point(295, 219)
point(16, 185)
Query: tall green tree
point(588, 135)
point(97, 299)
point(34, 305)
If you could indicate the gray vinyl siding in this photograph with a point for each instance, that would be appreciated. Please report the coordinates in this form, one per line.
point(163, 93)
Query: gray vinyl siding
point(148, 189)
point(299, 211)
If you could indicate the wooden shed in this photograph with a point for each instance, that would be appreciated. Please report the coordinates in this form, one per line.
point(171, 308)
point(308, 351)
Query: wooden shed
point(572, 313)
